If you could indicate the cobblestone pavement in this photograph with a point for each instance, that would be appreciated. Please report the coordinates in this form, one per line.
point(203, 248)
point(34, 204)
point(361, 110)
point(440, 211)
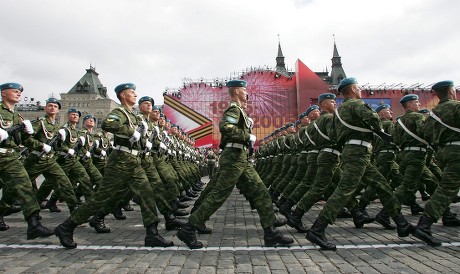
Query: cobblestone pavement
point(235, 246)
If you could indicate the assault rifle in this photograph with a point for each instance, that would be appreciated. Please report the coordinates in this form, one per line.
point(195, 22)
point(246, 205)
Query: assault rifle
point(16, 129)
point(75, 147)
point(51, 143)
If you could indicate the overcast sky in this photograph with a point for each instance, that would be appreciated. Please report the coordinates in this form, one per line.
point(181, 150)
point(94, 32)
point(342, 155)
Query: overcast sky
point(46, 45)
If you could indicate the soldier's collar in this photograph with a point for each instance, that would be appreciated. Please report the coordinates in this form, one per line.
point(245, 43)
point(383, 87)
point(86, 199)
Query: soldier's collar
point(6, 108)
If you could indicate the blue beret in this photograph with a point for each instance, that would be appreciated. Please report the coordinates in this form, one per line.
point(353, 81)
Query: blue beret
point(89, 116)
point(326, 96)
point(383, 106)
point(442, 84)
point(145, 99)
point(156, 108)
point(290, 125)
point(297, 122)
point(174, 125)
point(124, 86)
point(236, 83)
point(74, 110)
point(162, 116)
point(11, 86)
point(54, 101)
point(168, 121)
point(424, 111)
point(346, 82)
point(303, 114)
point(408, 97)
point(310, 109)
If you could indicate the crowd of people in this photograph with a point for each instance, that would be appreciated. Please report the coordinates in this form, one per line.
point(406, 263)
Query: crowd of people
point(347, 156)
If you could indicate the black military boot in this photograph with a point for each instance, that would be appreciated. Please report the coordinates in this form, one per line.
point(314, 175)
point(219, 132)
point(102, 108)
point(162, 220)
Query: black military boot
point(65, 233)
point(423, 231)
point(182, 205)
point(281, 201)
point(187, 235)
point(425, 196)
point(184, 198)
point(272, 237)
point(97, 222)
point(11, 210)
point(384, 219)
point(128, 207)
point(204, 230)
point(360, 217)
point(118, 214)
point(317, 236)
point(154, 239)
point(172, 223)
point(449, 218)
point(416, 209)
point(51, 204)
point(177, 211)
point(3, 226)
point(286, 208)
point(279, 222)
point(403, 227)
point(344, 213)
point(275, 195)
point(35, 229)
point(191, 194)
point(295, 221)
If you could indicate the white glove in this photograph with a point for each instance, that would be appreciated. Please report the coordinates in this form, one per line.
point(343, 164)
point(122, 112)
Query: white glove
point(252, 138)
point(82, 140)
point(96, 143)
point(3, 135)
point(87, 154)
point(163, 146)
point(136, 136)
point(103, 153)
point(28, 127)
point(71, 152)
point(145, 128)
point(148, 145)
point(63, 134)
point(46, 148)
point(111, 143)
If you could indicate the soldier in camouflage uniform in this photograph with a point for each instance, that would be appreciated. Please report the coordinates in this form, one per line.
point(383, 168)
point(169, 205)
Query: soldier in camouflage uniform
point(442, 130)
point(408, 135)
point(91, 144)
point(12, 172)
point(101, 153)
point(355, 123)
point(236, 169)
point(123, 171)
point(43, 145)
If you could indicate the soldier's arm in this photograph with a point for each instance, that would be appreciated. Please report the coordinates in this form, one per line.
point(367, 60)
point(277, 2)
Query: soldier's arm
point(36, 140)
point(228, 126)
point(370, 117)
point(115, 123)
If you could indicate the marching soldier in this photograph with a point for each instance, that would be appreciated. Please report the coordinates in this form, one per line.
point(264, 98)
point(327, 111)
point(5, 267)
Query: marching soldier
point(123, 171)
point(236, 169)
point(12, 172)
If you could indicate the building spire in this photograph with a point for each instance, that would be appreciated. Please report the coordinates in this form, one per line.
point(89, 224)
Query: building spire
point(280, 66)
point(337, 72)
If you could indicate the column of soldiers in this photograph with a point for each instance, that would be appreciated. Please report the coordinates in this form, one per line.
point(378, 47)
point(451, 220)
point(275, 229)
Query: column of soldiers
point(136, 156)
point(351, 155)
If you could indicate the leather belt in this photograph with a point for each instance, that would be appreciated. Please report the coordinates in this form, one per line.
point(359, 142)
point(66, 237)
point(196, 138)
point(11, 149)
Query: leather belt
point(304, 152)
point(359, 143)
point(5, 150)
point(335, 151)
point(455, 143)
point(43, 155)
point(415, 149)
point(387, 150)
point(313, 151)
point(236, 145)
point(125, 149)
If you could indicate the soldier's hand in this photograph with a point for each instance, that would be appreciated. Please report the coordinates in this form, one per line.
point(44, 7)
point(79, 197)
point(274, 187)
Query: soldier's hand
point(96, 143)
point(136, 136)
point(28, 127)
point(3, 135)
point(252, 138)
point(148, 145)
point(63, 134)
point(46, 148)
point(88, 154)
point(103, 153)
point(163, 146)
point(71, 152)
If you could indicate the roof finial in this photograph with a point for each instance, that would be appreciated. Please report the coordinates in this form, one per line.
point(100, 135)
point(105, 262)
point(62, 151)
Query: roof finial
point(333, 35)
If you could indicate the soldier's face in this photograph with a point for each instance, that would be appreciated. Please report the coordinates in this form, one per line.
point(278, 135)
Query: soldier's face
point(242, 95)
point(155, 115)
point(413, 105)
point(11, 95)
point(73, 117)
point(130, 96)
point(386, 114)
point(52, 109)
point(291, 130)
point(328, 105)
point(357, 91)
point(314, 114)
point(305, 120)
point(162, 122)
point(145, 107)
point(89, 123)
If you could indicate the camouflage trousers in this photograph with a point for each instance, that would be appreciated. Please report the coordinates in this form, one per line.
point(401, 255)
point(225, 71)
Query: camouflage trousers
point(168, 178)
point(300, 172)
point(283, 172)
point(307, 179)
point(93, 172)
point(123, 171)
point(237, 170)
point(357, 167)
point(413, 168)
point(275, 169)
point(448, 158)
point(16, 181)
point(327, 169)
point(54, 174)
point(287, 177)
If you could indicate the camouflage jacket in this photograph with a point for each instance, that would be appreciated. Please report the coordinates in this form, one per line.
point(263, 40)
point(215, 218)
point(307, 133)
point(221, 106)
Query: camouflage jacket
point(414, 122)
point(449, 112)
point(122, 123)
point(234, 127)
